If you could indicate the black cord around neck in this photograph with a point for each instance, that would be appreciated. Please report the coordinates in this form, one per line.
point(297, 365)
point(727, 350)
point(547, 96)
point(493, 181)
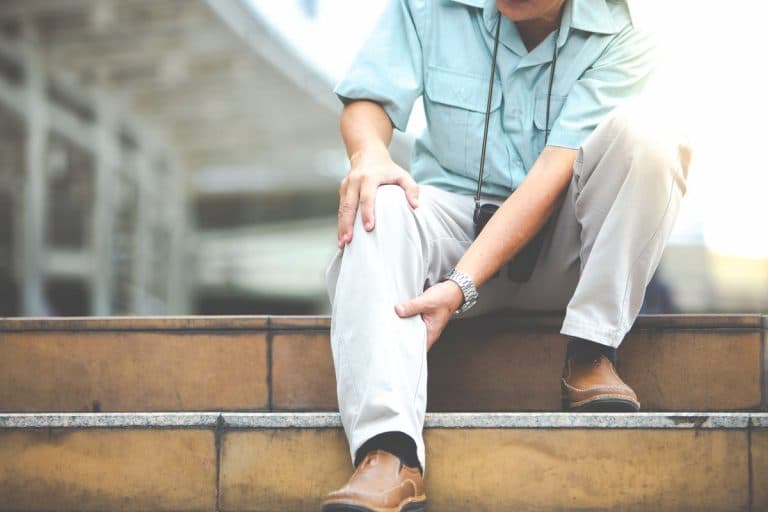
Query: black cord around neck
point(490, 96)
point(488, 110)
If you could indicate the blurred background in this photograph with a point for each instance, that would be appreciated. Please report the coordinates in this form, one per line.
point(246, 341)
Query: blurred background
point(183, 156)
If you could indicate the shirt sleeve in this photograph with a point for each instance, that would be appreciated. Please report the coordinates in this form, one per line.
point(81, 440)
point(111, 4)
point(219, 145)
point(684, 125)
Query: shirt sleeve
point(388, 68)
point(620, 73)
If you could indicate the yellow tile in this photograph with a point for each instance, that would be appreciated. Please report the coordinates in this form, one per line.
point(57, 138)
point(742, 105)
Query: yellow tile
point(132, 371)
point(760, 469)
point(512, 469)
point(107, 469)
point(693, 370)
point(490, 370)
point(302, 372)
point(627, 470)
point(282, 469)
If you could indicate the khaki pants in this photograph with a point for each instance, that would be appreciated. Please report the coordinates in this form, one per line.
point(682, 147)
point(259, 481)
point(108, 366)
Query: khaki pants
point(598, 255)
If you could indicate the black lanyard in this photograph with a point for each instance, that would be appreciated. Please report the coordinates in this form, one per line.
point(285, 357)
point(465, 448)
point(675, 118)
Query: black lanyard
point(490, 95)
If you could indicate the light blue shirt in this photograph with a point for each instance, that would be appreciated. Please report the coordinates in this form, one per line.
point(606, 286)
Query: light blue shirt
point(442, 49)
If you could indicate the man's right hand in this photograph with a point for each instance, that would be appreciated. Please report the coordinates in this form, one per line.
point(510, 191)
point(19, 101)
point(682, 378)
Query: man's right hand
point(369, 170)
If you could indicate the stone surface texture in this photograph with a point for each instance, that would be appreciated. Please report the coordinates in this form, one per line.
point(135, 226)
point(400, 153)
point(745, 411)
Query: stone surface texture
point(302, 372)
point(759, 447)
point(107, 469)
point(132, 371)
point(693, 370)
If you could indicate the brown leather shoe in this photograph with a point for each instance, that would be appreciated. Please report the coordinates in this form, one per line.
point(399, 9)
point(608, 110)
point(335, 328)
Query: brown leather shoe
point(591, 384)
point(380, 484)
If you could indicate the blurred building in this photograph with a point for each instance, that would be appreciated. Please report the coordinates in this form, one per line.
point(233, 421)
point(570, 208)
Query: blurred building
point(161, 156)
point(183, 157)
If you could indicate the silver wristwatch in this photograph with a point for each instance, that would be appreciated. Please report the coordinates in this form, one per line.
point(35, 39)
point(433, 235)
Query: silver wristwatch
point(467, 288)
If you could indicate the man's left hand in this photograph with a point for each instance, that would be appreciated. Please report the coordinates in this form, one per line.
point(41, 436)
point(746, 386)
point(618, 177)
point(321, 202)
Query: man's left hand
point(436, 305)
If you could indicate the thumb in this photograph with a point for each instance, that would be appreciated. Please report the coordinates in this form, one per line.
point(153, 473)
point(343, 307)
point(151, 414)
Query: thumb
point(411, 188)
point(409, 308)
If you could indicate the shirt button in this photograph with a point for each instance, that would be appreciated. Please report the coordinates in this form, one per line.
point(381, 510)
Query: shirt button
point(518, 163)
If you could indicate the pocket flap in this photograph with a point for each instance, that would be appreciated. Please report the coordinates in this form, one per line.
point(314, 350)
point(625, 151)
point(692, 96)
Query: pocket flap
point(540, 110)
point(460, 90)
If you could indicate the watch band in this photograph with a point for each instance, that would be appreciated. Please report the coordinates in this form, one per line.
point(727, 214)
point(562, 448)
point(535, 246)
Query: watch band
point(467, 289)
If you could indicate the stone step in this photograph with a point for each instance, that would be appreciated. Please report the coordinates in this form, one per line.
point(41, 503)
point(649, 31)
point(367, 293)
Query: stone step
point(475, 461)
point(283, 363)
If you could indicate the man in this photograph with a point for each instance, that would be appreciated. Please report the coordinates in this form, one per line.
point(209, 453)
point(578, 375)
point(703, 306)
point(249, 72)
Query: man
point(602, 192)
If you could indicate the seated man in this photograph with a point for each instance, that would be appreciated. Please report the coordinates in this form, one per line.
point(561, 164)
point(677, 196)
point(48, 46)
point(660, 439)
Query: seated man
point(527, 105)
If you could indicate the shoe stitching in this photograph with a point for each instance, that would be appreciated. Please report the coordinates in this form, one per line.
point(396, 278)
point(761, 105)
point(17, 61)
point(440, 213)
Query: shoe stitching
point(598, 398)
point(357, 472)
point(387, 491)
point(592, 388)
point(625, 387)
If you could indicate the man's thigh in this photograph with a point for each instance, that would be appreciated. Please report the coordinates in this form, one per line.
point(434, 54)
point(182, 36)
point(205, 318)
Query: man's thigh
point(445, 229)
point(554, 276)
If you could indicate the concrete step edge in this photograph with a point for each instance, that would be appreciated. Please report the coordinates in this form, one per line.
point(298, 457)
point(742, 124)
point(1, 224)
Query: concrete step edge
point(322, 322)
point(317, 420)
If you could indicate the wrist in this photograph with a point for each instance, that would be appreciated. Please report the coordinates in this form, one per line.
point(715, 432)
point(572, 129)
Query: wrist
point(373, 153)
point(456, 294)
point(466, 287)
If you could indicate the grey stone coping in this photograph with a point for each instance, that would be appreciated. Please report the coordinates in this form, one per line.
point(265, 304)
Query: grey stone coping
point(502, 320)
point(256, 420)
point(109, 419)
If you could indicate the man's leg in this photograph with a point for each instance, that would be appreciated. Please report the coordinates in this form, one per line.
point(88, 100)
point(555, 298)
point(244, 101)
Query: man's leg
point(629, 180)
point(603, 247)
point(380, 358)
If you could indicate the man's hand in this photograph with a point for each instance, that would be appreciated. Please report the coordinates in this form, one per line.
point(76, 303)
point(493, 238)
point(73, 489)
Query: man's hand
point(436, 305)
point(370, 169)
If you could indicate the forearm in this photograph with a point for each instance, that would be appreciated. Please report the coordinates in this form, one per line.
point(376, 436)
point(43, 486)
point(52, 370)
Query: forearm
point(365, 127)
point(520, 216)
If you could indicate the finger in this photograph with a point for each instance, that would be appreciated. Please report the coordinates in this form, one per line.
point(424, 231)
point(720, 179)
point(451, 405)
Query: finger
point(348, 209)
point(368, 188)
point(342, 194)
point(410, 308)
point(411, 188)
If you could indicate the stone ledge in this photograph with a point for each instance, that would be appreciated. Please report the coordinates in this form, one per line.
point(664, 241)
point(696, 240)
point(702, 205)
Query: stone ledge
point(512, 320)
point(680, 420)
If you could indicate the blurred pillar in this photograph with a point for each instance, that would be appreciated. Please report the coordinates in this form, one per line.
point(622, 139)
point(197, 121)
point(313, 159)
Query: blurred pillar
point(142, 256)
point(35, 190)
point(178, 284)
point(103, 221)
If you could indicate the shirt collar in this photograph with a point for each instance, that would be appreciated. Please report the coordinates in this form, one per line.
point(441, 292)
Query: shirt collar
point(471, 3)
point(587, 15)
point(593, 16)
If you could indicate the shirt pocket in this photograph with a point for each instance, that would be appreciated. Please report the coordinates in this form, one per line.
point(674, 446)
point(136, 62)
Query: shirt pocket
point(456, 105)
point(540, 117)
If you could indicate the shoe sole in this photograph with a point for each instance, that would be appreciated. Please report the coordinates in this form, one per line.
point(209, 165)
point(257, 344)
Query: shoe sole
point(341, 507)
point(608, 404)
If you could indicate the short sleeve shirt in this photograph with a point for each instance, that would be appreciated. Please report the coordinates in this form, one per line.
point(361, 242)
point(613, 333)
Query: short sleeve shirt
point(441, 50)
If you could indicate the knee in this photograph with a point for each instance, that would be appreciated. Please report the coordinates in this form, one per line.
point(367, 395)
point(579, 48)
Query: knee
point(390, 197)
point(388, 206)
point(657, 149)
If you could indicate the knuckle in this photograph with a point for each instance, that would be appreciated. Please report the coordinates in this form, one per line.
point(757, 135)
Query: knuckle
point(345, 207)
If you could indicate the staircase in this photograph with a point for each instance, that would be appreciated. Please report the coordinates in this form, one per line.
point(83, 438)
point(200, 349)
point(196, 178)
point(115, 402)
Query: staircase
point(237, 414)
